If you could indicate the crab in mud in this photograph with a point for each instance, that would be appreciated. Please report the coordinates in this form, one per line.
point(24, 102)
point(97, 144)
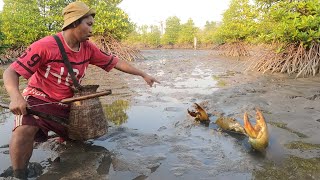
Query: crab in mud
point(258, 134)
point(230, 124)
point(200, 114)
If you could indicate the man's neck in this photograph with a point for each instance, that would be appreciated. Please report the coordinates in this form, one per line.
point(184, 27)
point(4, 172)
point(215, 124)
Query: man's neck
point(70, 40)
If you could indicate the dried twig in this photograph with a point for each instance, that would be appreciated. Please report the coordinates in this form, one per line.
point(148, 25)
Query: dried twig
point(109, 44)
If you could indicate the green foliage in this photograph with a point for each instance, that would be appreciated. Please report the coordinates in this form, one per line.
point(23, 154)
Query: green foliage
point(265, 4)
point(133, 38)
point(153, 37)
point(143, 34)
point(25, 21)
point(116, 112)
point(2, 46)
point(112, 20)
point(51, 14)
point(187, 33)
point(238, 22)
point(21, 22)
point(207, 35)
point(172, 30)
point(292, 22)
point(146, 35)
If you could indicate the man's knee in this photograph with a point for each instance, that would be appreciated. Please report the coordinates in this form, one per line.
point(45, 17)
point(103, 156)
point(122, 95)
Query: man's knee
point(25, 131)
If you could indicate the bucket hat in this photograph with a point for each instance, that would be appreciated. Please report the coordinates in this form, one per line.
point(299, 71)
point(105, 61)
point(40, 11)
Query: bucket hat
point(75, 11)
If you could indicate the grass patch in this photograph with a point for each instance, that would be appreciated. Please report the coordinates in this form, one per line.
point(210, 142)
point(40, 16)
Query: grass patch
point(221, 83)
point(292, 168)
point(302, 145)
point(215, 77)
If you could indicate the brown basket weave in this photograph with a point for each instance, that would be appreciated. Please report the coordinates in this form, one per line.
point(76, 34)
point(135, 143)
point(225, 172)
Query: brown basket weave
point(86, 119)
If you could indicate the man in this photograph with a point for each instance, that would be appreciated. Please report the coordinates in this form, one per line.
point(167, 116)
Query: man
point(49, 81)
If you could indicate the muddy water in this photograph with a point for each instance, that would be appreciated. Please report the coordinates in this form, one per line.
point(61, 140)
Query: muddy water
point(151, 135)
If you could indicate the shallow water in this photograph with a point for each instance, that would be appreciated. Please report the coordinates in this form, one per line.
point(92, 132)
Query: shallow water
point(151, 136)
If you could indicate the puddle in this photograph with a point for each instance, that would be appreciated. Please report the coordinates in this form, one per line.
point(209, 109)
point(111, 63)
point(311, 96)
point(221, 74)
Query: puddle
point(146, 119)
point(205, 85)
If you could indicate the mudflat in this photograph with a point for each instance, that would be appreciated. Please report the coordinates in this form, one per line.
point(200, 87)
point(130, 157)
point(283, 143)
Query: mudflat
point(152, 136)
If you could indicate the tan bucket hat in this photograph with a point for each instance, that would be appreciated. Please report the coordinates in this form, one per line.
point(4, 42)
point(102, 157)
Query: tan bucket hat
point(75, 11)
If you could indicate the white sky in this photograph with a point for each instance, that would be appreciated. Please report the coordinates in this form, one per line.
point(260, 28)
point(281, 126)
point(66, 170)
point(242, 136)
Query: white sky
point(147, 12)
point(153, 11)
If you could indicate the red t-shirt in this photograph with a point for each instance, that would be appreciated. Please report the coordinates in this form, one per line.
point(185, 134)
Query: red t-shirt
point(49, 79)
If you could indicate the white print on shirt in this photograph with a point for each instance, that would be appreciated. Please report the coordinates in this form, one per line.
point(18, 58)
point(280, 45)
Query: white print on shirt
point(68, 77)
point(59, 76)
point(32, 91)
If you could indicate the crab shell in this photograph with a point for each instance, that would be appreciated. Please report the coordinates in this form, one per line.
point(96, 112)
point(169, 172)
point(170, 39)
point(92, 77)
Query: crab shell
point(258, 134)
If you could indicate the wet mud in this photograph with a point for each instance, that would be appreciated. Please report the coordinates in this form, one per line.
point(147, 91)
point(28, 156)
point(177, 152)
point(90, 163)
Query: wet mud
point(152, 136)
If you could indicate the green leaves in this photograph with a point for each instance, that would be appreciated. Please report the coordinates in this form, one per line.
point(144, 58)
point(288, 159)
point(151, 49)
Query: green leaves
point(25, 21)
point(238, 22)
point(111, 19)
point(187, 32)
point(293, 22)
point(271, 20)
point(172, 30)
point(21, 22)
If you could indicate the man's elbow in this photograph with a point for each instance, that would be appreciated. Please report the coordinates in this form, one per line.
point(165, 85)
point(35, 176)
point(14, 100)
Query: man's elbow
point(10, 73)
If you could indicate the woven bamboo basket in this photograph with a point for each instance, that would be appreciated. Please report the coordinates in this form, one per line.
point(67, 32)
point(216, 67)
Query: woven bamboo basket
point(86, 119)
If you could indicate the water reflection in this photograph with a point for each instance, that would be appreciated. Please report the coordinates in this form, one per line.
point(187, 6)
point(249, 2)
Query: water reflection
point(116, 112)
point(4, 115)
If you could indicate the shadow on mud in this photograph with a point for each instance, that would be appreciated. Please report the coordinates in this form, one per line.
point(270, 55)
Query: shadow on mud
point(79, 161)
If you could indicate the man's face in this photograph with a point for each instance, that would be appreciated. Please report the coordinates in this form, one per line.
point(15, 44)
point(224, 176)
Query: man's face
point(84, 30)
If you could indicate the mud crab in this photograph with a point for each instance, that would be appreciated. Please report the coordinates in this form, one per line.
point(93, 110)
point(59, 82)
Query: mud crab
point(230, 124)
point(200, 114)
point(258, 134)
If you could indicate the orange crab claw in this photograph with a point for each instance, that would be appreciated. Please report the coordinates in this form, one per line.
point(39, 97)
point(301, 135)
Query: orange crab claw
point(201, 113)
point(251, 132)
point(258, 134)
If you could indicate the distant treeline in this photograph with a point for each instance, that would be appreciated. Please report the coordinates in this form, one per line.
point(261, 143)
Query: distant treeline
point(288, 30)
point(261, 21)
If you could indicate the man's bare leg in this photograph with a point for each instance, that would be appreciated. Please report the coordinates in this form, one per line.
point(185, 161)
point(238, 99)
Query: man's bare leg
point(21, 147)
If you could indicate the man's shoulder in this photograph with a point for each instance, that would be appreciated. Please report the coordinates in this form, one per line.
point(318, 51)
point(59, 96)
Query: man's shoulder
point(45, 42)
